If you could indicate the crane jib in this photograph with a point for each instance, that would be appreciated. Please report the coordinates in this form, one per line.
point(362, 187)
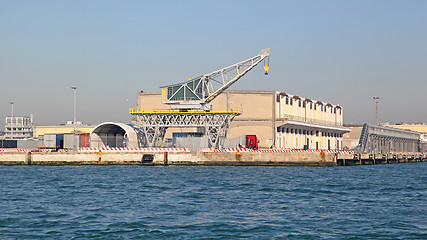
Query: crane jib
point(198, 92)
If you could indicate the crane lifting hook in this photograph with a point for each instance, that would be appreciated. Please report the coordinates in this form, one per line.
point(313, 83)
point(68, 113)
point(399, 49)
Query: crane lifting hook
point(266, 67)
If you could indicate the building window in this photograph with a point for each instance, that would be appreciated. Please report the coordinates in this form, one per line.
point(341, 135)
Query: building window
point(287, 130)
point(300, 132)
point(287, 100)
point(303, 104)
point(292, 101)
point(299, 103)
point(315, 106)
point(317, 132)
point(311, 105)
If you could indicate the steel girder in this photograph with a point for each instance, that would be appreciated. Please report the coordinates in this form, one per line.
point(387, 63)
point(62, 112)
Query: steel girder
point(385, 139)
point(154, 125)
point(390, 144)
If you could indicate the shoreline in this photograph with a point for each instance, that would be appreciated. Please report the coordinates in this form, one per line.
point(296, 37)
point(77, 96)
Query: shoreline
point(205, 158)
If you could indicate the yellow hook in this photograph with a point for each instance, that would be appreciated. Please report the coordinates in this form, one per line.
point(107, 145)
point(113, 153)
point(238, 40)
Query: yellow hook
point(266, 69)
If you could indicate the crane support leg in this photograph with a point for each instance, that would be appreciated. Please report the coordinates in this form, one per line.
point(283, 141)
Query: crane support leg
point(154, 125)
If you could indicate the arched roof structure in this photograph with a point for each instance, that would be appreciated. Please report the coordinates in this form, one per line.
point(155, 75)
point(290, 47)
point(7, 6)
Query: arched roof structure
point(112, 134)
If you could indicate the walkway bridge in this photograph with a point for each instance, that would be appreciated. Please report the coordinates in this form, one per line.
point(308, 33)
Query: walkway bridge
point(379, 139)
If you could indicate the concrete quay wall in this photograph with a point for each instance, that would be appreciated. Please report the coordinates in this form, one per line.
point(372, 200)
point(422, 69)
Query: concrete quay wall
point(202, 158)
point(250, 158)
point(13, 158)
point(167, 158)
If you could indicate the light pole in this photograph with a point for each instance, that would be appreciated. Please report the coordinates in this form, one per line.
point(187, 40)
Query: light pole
point(376, 100)
point(11, 120)
point(74, 120)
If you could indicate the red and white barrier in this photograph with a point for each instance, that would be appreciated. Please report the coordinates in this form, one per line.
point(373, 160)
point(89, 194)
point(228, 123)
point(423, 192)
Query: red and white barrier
point(30, 150)
point(120, 149)
point(272, 150)
point(212, 150)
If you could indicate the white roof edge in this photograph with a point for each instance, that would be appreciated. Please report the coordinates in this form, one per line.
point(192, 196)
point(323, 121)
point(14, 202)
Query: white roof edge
point(305, 124)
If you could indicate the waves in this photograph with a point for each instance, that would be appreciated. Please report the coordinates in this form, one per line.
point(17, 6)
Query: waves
point(136, 202)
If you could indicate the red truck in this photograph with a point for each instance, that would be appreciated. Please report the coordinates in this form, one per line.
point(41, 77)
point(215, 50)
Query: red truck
point(251, 142)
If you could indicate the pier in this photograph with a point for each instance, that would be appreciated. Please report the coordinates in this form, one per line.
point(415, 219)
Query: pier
point(236, 157)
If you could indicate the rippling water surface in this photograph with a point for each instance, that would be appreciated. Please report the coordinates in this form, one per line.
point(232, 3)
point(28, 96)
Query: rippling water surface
point(186, 202)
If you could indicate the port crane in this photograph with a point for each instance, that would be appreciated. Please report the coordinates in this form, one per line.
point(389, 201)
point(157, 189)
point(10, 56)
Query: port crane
point(197, 93)
point(190, 104)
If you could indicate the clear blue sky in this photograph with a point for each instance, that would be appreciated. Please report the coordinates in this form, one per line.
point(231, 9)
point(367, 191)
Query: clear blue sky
point(342, 52)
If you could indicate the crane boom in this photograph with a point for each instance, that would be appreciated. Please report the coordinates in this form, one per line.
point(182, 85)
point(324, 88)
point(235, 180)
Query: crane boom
point(197, 93)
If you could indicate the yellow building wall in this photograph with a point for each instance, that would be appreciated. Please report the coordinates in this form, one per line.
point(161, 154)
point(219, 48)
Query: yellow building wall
point(255, 105)
point(351, 139)
point(256, 118)
point(415, 128)
point(149, 101)
point(263, 133)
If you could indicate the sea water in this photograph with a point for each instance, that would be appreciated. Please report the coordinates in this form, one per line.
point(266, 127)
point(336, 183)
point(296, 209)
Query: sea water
point(224, 202)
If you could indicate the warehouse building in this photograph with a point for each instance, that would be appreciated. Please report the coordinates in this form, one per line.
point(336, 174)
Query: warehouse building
point(278, 119)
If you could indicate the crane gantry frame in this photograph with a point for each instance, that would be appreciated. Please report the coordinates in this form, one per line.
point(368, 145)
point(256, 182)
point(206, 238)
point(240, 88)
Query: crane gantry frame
point(190, 104)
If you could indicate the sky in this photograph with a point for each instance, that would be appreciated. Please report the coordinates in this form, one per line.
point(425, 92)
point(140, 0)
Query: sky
point(340, 52)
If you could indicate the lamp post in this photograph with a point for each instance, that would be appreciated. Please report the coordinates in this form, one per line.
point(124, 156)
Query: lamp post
point(376, 100)
point(11, 120)
point(74, 120)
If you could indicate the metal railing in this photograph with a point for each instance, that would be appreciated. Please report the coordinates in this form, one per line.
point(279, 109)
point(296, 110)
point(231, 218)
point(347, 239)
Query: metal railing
point(186, 99)
point(312, 120)
point(176, 111)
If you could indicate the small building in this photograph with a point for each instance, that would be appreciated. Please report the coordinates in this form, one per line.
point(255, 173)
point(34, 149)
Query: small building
point(63, 136)
point(18, 127)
